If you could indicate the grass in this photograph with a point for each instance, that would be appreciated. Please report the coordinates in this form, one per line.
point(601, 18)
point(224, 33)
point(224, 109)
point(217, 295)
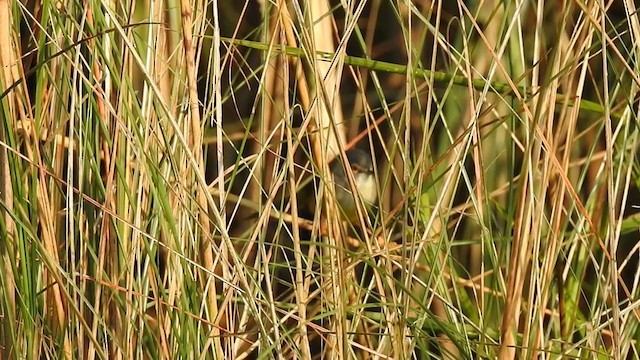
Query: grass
point(165, 188)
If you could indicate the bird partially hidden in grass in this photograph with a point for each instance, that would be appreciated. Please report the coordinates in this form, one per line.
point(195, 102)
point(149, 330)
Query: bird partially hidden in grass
point(365, 182)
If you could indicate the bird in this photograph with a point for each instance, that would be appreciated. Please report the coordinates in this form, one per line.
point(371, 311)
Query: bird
point(362, 168)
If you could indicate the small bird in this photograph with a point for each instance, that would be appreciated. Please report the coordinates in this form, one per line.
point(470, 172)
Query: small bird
point(362, 168)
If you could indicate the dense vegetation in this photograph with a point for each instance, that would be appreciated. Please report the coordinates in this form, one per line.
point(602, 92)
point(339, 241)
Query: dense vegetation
point(165, 189)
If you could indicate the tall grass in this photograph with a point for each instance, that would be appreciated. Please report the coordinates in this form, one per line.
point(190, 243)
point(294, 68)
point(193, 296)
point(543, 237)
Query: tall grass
point(165, 189)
